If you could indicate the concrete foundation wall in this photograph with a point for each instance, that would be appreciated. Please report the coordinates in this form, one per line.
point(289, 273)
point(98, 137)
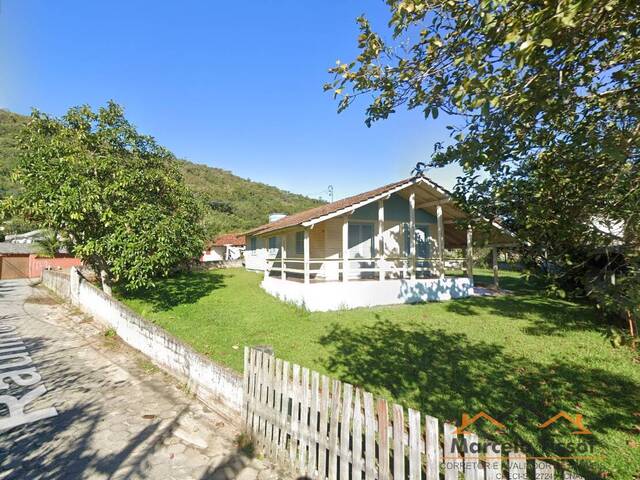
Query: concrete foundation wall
point(210, 382)
point(322, 297)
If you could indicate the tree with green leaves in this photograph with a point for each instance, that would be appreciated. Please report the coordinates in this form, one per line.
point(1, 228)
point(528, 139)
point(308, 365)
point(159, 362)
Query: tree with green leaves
point(544, 99)
point(115, 194)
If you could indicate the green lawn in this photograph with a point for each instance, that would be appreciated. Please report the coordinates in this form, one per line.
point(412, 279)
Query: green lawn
point(521, 358)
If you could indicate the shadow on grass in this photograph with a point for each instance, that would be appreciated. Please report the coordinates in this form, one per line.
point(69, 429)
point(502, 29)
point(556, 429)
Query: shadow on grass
point(186, 288)
point(544, 316)
point(445, 375)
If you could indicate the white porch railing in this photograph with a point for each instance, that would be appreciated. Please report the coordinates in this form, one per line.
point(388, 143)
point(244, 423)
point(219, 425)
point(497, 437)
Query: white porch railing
point(331, 269)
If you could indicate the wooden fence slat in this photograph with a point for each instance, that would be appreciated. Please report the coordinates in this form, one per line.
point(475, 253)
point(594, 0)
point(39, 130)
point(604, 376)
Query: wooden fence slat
point(472, 458)
point(432, 448)
point(370, 437)
point(493, 464)
point(246, 400)
point(304, 419)
point(324, 427)
point(383, 442)
point(451, 455)
point(544, 471)
point(313, 423)
point(415, 435)
point(284, 412)
point(269, 381)
point(274, 393)
point(266, 386)
point(345, 429)
point(277, 406)
point(398, 442)
point(252, 392)
point(258, 398)
point(295, 414)
point(356, 459)
point(245, 385)
point(517, 466)
point(333, 430)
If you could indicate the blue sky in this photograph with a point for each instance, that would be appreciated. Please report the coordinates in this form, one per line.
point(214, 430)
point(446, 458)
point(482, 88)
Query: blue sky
point(236, 85)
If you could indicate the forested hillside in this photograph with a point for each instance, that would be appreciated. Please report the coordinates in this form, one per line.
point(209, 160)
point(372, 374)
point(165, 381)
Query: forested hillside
point(10, 124)
point(232, 204)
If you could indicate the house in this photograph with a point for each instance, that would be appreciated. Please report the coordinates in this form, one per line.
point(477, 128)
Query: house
point(381, 247)
point(29, 237)
point(224, 248)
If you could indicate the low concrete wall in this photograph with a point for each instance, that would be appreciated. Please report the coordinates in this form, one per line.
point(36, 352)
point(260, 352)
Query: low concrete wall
point(209, 381)
point(58, 282)
point(322, 297)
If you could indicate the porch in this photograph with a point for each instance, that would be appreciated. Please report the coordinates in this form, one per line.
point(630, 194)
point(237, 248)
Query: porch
point(382, 247)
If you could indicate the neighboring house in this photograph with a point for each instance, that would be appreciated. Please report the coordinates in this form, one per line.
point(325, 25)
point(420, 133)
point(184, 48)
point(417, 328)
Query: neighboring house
point(29, 237)
point(224, 248)
point(21, 260)
point(385, 246)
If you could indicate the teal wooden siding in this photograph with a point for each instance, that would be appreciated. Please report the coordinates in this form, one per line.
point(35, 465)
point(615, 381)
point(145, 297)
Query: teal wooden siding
point(395, 209)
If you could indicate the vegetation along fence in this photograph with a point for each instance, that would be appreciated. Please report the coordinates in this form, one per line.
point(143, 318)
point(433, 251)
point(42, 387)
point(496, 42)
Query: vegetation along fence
point(326, 429)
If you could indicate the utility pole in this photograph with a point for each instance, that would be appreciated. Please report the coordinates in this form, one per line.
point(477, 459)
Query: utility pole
point(330, 190)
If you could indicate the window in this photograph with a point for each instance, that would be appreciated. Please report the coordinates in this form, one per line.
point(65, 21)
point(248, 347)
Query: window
point(299, 243)
point(361, 240)
point(274, 243)
point(253, 243)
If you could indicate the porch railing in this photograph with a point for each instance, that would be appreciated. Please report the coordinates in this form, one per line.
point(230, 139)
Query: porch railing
point(332, 269)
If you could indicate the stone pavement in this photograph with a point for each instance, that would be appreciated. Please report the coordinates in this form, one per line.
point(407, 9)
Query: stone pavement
point(116, 415)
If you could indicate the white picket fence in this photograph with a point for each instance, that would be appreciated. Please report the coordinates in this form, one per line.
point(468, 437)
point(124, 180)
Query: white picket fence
point(326, 429)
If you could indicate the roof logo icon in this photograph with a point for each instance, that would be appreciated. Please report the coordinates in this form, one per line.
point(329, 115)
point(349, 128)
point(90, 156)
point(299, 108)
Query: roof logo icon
point(577, 422)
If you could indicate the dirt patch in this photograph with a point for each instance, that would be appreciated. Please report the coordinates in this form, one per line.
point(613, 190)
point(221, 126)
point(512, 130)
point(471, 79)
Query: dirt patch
point(41, 300)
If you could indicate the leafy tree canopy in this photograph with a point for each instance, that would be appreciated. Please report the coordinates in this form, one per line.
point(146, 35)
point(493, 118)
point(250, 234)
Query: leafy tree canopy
point(544, 96)
point(116, 194)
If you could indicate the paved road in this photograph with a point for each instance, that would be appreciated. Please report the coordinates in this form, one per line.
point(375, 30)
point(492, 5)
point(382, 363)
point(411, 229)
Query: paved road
point(75, 403)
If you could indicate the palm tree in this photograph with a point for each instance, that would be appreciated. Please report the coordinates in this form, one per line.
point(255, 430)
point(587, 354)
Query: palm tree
point(49, 246)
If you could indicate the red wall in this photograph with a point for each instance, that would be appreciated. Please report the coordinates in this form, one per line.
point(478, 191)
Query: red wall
point(37, 264)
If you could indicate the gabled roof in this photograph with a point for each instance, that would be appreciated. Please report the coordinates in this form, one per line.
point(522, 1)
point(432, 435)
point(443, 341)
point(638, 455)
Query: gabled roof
point(428, 195)
point(236, 240)
point(330, 208)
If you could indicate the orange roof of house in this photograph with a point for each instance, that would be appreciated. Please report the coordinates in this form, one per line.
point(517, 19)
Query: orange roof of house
point(229, 239)
point(298, 218)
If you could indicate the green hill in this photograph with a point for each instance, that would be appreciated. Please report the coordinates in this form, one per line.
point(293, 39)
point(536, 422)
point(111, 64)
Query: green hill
point(10, 125)
point(232, 204)
point(237, 204)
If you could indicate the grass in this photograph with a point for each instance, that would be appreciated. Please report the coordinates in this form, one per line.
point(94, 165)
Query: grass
point(521, 358)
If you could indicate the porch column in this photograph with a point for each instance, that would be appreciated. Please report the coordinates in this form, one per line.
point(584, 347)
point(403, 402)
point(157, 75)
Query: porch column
point(283, 257)
point(345, 248)
point(380, 240)
point(412, 233)
point(494, 252)
point(306, 255)
point(470, 253)
point(267, 270)
point(440, 219)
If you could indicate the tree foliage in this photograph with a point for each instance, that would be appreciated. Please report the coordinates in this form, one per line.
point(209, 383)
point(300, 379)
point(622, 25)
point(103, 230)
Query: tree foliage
point(230, 203)
point(116, 194)
point(544, 98)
